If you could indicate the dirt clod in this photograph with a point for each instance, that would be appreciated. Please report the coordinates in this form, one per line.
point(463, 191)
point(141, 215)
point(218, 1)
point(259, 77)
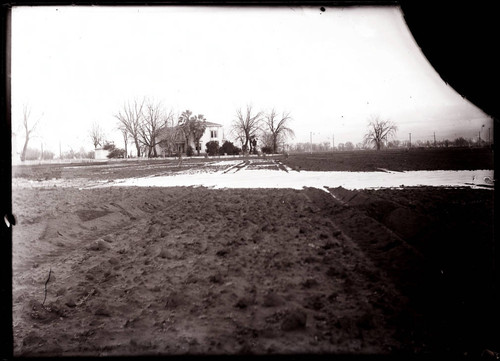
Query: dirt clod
point(294, 320)
point(99, 245)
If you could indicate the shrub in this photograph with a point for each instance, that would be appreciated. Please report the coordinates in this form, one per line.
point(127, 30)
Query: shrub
point(229, 148)
point(109, 146)
point(116, 153)
point(267, 150)
point(212, 147)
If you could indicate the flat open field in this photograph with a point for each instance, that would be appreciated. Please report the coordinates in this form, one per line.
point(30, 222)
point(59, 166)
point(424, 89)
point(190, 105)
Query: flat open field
point(395, 160)
point(196, 270)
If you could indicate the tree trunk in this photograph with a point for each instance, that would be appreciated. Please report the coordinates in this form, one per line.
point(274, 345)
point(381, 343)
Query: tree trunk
point(186, 140)
point(198, 146)
point(275, 140)
point(153, 146)
point(126, 150)
point(25, 148)
point(137, 146)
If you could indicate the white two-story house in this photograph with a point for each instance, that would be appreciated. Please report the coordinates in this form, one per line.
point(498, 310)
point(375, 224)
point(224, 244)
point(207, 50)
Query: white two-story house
point(213, 132)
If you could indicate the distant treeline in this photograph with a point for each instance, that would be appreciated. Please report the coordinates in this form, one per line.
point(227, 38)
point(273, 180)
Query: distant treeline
point(230, 149)
point(392, 144)
point(36, 154)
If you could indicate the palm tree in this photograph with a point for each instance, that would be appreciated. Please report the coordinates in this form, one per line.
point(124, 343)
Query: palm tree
point(192, 127)
point(185, 124)
point(198, 127)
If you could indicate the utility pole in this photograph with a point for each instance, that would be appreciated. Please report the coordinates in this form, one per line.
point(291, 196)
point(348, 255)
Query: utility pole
point(311, 141)
point(410, 140)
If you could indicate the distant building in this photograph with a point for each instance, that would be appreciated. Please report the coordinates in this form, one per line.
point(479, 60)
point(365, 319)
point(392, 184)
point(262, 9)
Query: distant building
point(101, 154)
point(213, 132)
point(172, 140)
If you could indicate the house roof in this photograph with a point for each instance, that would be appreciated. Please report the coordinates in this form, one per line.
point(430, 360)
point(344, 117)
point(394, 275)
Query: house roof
point(210, 124)
point(163, 131)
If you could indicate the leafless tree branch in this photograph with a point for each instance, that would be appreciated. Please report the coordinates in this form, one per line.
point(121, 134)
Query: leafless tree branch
point(246, 125)
point(278, 127)
point(379, 131)
point(28, 128)
point(130, 118)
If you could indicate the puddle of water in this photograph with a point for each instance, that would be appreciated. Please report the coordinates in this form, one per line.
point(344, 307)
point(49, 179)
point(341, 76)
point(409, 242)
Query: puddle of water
point(265, 178)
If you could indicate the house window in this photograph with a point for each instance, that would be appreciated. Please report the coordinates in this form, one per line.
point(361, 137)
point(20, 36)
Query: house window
point(213, 134)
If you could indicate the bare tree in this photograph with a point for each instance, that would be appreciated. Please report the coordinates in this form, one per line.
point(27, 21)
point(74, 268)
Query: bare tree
point(169, 136)
point(28, 129)
point(246, 125)
point(266, 139)
point(378, 131)
point(278, 127)
point(130, 118)
point(124, 132)
point(153, 120)
point(96, 134)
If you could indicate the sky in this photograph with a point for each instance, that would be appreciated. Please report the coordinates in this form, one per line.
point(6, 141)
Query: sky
point(332, 70)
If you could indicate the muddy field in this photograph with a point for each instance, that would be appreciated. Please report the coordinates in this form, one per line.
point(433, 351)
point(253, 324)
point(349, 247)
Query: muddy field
point(395, 160)
point(148, 271)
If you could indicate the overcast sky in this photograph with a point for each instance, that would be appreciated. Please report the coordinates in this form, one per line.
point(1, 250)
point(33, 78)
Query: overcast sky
point(331, 70)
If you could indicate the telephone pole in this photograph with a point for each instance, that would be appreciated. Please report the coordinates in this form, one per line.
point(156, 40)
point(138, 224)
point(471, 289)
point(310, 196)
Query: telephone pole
point(311, 141)
point(410, 140)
